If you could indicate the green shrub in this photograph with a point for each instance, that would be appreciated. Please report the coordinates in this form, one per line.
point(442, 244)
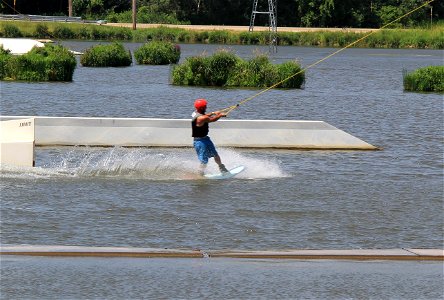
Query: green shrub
point(83, 33)
point(205, 71)
point(285, 39)
point(202, 36)
point(49, 63)
point(250, 38)
point(226, 69)
point(28, 67)
point(63, 32)
point(11, 31)
point(123, 17)
point(157, 53)
point(96, 34)
point(291, 75)
point(162, 34)
point(192, 72)
point(260, 72)
point(121, 33)
point(250, 73)
point(5, 55)
point(185, 37)
point(60, 62)
point(111, 55)
point(42, 31)
point(218, 37)
point(144, 15)
point(219, 66)
point(428, 79)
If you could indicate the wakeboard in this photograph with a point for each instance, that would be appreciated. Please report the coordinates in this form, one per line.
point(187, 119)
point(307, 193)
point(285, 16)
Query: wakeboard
point(231, 173)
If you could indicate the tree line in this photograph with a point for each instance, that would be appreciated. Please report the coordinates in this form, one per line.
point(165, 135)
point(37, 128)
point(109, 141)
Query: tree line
point(290, 13)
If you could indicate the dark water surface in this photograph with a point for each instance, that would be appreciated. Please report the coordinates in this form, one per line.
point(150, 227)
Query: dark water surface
point(285, 199)
point(120, 278)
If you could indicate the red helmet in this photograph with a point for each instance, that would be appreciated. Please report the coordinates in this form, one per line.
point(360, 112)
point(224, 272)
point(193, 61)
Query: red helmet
point(200, 104)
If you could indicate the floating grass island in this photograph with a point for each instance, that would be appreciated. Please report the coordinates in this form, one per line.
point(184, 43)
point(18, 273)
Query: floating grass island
point(224, 68)
point(111, 55)
point(157, 53)
point(427, 79)
point(49, 63)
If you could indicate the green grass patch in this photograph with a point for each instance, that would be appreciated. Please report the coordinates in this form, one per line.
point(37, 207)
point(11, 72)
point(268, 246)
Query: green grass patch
point(224, 68)
point(428, 79)
point(421, 37)
point(110, 55)
point(144, 15)
point(10, 30)
point(157, 53)
point(49, 63)
point(161, 33)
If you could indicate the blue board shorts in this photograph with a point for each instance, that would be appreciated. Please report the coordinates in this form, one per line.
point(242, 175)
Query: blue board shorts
point(204, 149)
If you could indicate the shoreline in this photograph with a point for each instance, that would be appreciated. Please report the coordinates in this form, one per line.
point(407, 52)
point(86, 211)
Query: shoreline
point(241, 28)
point(400, 38)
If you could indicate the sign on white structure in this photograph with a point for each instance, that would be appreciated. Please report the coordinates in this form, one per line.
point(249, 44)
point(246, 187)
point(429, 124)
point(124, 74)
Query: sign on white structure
point(17, 140)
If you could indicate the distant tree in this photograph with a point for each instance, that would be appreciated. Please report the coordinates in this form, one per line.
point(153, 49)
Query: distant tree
point(389, 10)
point(37, 7)
point(89, 8)
point(314, 13)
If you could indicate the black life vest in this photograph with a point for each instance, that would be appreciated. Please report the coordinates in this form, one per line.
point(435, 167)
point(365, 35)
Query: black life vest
point(197, 131)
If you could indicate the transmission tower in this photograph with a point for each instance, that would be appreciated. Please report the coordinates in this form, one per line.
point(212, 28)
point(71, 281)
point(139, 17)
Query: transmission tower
point(272, 25)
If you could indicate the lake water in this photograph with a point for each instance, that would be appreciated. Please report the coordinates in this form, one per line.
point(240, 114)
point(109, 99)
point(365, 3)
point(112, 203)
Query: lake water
point(120, 278)
point(285, 199)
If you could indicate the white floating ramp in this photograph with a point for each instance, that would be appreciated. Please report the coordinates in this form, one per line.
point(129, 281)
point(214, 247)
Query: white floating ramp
point(404, 254)
point(19, 46)
point(147, 132)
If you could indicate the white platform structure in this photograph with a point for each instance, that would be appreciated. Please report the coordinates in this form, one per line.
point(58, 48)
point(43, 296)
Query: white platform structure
point(148, 132)
point(17, 142)
point(404, 254)
point(19, 46)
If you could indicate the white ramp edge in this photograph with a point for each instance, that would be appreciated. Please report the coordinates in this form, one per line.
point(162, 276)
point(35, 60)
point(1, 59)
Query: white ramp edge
point(408, 254)
point(151, 132)
point(17, 141)
point(19, 46)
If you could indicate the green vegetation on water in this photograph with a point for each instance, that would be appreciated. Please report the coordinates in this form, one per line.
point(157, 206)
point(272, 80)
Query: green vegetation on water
point(157, 53)
point(144, 15)
point(419, 38)
point(49, 63)
point(10, 30)
point(224, 68)
point(111, 55)
point(427, 79)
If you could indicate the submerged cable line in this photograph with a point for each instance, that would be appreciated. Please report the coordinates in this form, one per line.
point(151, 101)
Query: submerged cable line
point(231, 108)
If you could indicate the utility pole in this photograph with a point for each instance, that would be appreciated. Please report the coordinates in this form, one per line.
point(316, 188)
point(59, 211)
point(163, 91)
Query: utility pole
point(272, 25)
point(134, 14)
point(69, 8)
point(431, 17)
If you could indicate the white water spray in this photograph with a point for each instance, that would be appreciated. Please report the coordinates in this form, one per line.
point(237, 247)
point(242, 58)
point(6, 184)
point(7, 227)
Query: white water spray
point(138, 163)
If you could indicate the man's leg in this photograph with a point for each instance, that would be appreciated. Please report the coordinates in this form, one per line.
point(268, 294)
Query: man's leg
point(222, 167)
point(202, 169)
point(211, 151)
point(202, 155)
